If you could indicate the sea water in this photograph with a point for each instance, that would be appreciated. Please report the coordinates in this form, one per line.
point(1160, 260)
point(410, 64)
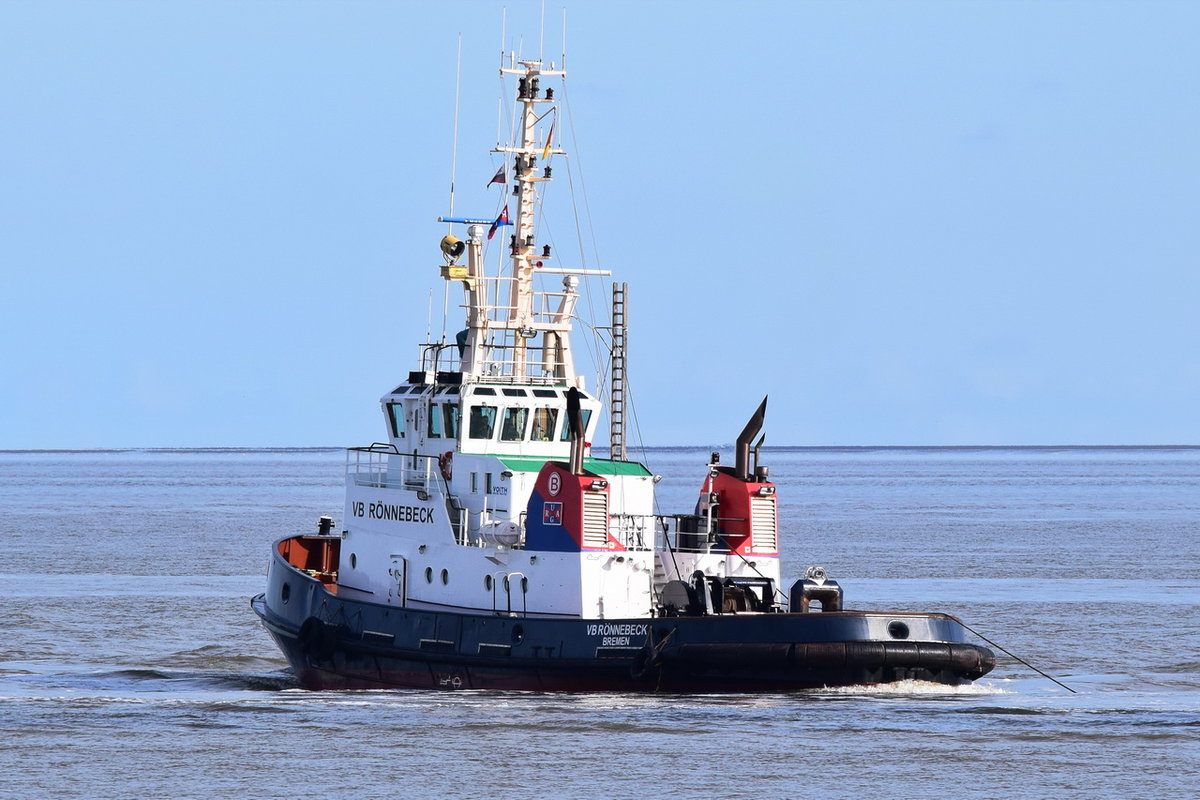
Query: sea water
point(132, 666)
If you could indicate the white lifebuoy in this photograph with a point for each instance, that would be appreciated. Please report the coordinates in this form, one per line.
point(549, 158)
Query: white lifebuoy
point(445, 465)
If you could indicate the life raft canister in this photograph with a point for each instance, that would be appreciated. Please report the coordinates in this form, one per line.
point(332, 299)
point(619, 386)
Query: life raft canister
point(445, 465)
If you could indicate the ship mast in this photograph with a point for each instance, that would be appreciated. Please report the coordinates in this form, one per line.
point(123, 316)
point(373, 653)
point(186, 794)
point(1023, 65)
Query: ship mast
point(525, 157)
point(515, 333)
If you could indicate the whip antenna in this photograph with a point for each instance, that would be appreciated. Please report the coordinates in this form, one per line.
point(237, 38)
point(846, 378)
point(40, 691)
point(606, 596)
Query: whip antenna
point(454, 146)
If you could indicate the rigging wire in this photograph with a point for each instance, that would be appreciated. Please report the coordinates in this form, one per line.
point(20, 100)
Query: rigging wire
point(595, 352)
point(599, 362)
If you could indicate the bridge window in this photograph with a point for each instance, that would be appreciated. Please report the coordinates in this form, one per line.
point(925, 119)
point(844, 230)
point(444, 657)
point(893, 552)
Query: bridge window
point(483, 422)
point(544, 420)
point(450, 418)
point(435, 421)
point(585, 414)
point(396, 414)
point(515, 420)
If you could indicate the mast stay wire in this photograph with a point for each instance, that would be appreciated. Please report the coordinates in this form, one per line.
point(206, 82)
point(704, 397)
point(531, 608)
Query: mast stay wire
point(601, 371)
point(596, 346)
point(596, 353)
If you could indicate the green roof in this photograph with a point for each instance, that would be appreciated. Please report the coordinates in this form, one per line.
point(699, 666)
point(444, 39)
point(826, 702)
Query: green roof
point(600, 466)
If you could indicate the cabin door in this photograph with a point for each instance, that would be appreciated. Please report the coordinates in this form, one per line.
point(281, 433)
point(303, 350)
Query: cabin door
point(398, 590)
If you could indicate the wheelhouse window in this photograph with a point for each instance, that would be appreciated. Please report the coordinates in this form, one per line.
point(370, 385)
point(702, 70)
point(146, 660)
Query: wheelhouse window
point(585, 414)
point(450, 419)
point(435, 421)
point(544, 420)
point(482, 422)
point(396, 414)
point(513, 428)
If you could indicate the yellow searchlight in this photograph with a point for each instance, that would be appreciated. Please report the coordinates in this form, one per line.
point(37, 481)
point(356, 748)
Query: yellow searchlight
point(452, 248)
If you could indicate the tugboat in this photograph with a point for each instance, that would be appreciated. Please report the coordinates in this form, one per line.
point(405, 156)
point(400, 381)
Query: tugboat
point(485, 547)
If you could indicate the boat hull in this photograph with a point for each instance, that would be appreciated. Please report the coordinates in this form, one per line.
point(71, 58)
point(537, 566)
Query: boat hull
point(335, 642)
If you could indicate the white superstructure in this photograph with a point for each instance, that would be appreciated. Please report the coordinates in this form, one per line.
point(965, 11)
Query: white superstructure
point(484, 498)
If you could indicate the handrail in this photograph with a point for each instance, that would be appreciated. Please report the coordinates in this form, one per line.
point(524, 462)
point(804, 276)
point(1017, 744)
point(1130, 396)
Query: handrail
point(704, 539)
point(377, 469)
point(377, 447)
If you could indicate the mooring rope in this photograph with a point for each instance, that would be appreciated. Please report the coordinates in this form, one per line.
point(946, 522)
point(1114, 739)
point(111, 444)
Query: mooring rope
point(1018, 658)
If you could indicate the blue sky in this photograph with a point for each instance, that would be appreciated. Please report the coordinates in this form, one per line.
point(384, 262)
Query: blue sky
point(908, 222)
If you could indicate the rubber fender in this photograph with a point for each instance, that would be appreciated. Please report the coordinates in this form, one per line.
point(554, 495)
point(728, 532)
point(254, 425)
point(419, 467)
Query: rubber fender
point(933, 655)
point(867, 655)
point(764, 655)
point(820, 654)
point(317, 640)
point(972, 661)
point(902, 654)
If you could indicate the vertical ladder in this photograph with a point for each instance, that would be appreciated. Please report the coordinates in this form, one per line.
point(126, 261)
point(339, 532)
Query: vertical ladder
point(616, 407)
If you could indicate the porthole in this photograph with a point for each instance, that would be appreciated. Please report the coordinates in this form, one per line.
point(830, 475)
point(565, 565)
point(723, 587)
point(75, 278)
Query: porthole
point(353, 560)
point(286, 592)
point(487, 582)
point(445, 577)
point(429, 574)
point(897, 629)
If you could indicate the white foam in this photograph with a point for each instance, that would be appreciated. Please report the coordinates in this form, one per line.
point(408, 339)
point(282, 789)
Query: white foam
point(906, 688)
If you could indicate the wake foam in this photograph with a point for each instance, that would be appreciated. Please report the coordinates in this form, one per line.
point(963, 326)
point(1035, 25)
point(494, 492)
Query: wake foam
point(908, 688)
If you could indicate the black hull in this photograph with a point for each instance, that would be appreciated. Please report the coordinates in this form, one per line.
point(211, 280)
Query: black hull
point(337, 643)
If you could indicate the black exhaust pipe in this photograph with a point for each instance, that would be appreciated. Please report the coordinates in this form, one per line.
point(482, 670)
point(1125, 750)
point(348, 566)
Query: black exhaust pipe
point(575, 425)
point(742, 455)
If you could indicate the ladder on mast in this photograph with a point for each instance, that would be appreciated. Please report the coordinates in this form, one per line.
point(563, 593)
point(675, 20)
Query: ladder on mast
point(616, 406)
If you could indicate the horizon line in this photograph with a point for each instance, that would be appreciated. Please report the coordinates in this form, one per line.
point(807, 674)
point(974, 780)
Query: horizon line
point(680, 448)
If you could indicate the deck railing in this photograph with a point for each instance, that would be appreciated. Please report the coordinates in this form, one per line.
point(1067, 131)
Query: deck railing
point(687, 533)
point(383, 466)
